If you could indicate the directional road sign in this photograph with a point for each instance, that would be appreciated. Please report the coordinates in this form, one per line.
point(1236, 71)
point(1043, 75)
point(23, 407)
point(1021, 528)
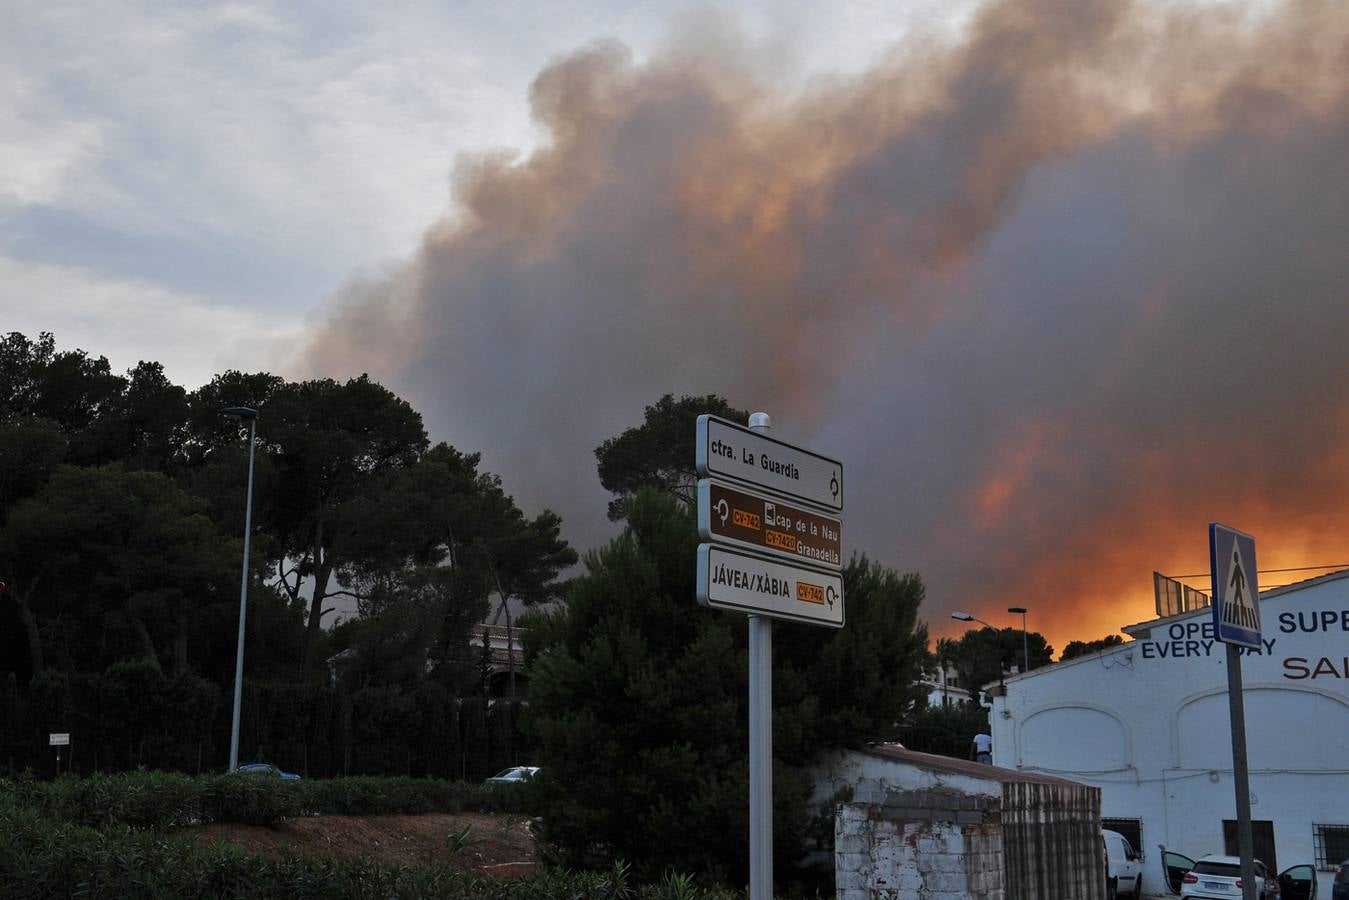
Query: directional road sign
point(58, 740)
point(746, 519)
point(746, 582)
point(734, 453)
point(1236, 607)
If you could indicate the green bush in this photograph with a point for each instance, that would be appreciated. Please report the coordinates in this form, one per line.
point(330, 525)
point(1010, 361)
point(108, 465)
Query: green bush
point(40, 858)
point(250, 799)
point(136, 800)
point(146, 800)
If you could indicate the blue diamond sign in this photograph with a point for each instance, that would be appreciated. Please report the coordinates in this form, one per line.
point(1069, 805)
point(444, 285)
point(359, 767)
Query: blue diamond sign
point(1236, 606)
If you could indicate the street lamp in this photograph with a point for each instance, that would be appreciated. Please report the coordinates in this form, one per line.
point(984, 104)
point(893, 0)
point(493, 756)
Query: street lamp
point(1025, 647)
point(966, 617)
point(243, 413)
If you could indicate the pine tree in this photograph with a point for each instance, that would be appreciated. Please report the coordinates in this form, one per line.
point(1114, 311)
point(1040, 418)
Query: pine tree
point(638, 706)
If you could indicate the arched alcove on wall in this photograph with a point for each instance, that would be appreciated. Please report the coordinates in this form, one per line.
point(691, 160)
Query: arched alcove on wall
point(1099, 739)
point(1287, 727)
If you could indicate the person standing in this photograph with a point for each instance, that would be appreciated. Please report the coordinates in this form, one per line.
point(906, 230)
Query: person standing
point(981, 748)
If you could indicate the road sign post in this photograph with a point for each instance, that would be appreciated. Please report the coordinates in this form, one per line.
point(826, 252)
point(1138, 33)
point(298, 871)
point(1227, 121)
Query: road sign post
point(1236, 622)
point(773, 552)
point(58, 741)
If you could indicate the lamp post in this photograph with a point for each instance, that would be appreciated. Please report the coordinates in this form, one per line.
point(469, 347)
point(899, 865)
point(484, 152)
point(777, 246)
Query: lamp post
point(243, 413)
point(1025, 646)
point(966, 617)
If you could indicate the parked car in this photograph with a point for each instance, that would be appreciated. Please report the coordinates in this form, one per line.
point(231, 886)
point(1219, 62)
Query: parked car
point(1122, 868)
point(514, 775)
point(267, 770)
point(1218, 877)
point(1105, 865)
point(1340, 889)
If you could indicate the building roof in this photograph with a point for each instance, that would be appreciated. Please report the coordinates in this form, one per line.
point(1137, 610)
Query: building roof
point(962, 767)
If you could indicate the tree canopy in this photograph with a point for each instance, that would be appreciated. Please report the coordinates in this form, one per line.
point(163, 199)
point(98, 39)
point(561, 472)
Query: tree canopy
point(982, 655)
point(1075, 649)
point(639, 701)
point(122, 508)
point(659, 453)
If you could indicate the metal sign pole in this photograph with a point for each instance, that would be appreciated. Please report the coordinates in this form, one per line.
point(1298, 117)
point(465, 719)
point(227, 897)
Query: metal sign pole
point(760, 739)
point(1236, 622)
point(1237, 710)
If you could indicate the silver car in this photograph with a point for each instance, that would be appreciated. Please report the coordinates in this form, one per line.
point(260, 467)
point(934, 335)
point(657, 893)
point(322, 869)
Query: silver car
point(514, 775)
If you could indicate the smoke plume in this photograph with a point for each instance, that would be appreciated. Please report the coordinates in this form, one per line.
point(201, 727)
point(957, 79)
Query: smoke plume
point(1058, 294)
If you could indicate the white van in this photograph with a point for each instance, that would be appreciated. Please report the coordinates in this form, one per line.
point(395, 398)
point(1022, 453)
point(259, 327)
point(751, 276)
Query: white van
point(1122, 869)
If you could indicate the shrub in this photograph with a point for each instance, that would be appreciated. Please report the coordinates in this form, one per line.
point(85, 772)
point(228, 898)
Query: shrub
point(43, 858)
point(147, 800)
point(250, 799)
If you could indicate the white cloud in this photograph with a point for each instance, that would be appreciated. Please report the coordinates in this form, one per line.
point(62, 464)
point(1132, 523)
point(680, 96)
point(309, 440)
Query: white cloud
point(41, 152)
point(254, 154)
point(128, 321)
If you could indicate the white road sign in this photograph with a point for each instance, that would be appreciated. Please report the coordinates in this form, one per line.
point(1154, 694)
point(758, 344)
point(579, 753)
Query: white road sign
point(745, 582)
point(732, 452)
point(58, 740)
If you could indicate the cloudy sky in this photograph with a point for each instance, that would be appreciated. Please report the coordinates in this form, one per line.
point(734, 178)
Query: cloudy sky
point(1059, 283)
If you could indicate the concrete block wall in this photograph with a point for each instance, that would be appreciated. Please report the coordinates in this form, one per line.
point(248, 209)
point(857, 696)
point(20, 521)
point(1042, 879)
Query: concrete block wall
point(918, 846)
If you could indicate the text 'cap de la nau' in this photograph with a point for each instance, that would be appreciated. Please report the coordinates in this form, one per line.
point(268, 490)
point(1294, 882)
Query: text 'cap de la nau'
point(767, 524)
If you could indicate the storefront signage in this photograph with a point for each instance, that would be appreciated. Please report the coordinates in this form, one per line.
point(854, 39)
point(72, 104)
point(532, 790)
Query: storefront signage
point(1187, 640)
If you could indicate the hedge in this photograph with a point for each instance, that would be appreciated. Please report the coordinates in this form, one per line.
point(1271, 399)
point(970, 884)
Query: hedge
point(41, 858)
point(146, 800)
point(131, 716)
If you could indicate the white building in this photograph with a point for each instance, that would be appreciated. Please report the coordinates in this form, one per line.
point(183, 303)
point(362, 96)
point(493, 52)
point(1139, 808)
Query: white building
point(1148, 723)
point(943, 687)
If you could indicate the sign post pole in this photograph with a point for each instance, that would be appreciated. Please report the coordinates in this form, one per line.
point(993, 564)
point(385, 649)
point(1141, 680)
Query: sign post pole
point(58, 741)
point(760, 739)
point(1237, 711)
point(1236, 622)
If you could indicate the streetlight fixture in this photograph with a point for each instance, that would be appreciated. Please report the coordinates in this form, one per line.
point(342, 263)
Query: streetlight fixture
point(1025, 646)
point(243, 413)
point(966, 617)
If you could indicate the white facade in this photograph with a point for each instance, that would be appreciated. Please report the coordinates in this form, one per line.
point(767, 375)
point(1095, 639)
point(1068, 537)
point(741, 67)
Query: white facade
point(943, 687)
point(1148, 723)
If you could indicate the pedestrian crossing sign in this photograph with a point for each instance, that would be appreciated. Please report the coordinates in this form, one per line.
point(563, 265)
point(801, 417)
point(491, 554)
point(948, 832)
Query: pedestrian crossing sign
point(1236, 608)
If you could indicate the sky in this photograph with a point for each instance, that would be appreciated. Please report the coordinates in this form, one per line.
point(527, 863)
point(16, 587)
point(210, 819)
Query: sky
point(1059, 283)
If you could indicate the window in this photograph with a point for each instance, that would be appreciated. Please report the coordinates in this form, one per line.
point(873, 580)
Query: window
point(1332, 845)
point(1132, 829)
point(1262, 836)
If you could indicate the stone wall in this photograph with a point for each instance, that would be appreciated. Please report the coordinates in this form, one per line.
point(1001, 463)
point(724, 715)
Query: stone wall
point(1037, 841)
point(919, 845)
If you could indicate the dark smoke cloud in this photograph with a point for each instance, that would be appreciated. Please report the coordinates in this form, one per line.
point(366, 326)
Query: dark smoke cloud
point(1057, 295)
